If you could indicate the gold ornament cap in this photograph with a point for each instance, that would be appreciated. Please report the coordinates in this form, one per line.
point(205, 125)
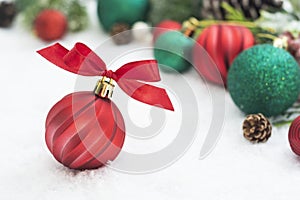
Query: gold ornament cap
point(189, 26)
point(105, 87)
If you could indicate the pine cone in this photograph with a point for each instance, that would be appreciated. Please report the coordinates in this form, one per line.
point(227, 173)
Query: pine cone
point(250, 8)
point(121, 34)
point(257, 128)
point(7, 13)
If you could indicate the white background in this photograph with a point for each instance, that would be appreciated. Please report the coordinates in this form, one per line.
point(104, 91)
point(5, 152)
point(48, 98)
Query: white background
point(30, 86)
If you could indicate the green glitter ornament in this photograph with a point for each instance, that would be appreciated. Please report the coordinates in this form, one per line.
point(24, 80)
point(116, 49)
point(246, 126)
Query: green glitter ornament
point(121, 11)
point(172, 50)
point(264, 79)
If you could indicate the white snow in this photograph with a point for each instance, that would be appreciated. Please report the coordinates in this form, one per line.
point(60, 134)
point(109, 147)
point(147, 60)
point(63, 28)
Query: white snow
point(29, 87)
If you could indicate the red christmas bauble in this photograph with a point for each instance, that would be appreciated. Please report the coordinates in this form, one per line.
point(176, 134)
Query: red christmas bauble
point(164, 26)
point(50, 25)
point(223, 43)
point(294, 136)
point(84, 131)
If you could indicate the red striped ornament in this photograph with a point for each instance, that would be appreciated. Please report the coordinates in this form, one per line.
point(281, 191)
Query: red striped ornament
point(294, 136)
point(90, 131)
point(223, 42)
point(85, 130)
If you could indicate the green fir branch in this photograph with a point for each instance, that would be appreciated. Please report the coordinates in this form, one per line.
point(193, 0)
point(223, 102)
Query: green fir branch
point(288, 116)
point(232, 13)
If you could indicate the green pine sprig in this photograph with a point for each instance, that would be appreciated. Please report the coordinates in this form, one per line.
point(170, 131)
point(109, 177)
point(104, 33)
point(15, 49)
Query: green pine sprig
point(288, 116)
point(262, 35)
point(77, 16)
point(232, 14)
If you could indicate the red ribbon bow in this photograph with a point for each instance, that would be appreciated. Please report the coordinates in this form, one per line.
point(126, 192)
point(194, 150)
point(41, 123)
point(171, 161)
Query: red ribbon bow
point(82, 60)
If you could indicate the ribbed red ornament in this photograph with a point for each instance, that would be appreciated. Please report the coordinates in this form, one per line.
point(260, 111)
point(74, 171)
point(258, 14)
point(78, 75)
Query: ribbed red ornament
point(84, 131)
point(223, 42)
point(294, 136)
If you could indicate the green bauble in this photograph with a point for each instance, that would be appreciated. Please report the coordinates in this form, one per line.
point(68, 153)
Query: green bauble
point(264, 79)
point(172, 50)
point(121, 11)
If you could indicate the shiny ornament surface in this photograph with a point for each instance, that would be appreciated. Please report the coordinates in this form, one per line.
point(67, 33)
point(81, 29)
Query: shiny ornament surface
point(121, 11)
point(172, 50)
point(294, 136)
point(50, 25)
point(84, 131)
point(223, 43)
point(264, 79)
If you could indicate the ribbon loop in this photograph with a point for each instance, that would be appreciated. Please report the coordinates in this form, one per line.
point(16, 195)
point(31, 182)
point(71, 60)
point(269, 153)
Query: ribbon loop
point(144, 70)
point(82, 60)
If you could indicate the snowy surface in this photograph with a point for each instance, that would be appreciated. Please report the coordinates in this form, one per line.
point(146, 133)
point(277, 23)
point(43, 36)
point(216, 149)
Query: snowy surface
point(29, 87)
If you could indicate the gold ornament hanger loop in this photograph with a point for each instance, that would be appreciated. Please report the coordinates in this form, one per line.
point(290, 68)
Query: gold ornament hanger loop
point(105, 87)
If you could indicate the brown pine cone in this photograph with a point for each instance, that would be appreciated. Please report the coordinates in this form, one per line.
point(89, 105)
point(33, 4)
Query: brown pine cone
point(257, 128)
point(121, 34)
point(7, 13)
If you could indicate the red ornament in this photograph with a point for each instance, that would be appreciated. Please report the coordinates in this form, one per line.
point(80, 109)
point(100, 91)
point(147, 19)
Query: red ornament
point(223, 43)
point(86, 130)
point(294, 136)
point(50, 25)
point(164, 26)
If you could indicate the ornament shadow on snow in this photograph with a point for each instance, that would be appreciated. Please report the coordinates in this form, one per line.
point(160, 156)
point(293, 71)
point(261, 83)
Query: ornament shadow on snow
point(146, 163)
